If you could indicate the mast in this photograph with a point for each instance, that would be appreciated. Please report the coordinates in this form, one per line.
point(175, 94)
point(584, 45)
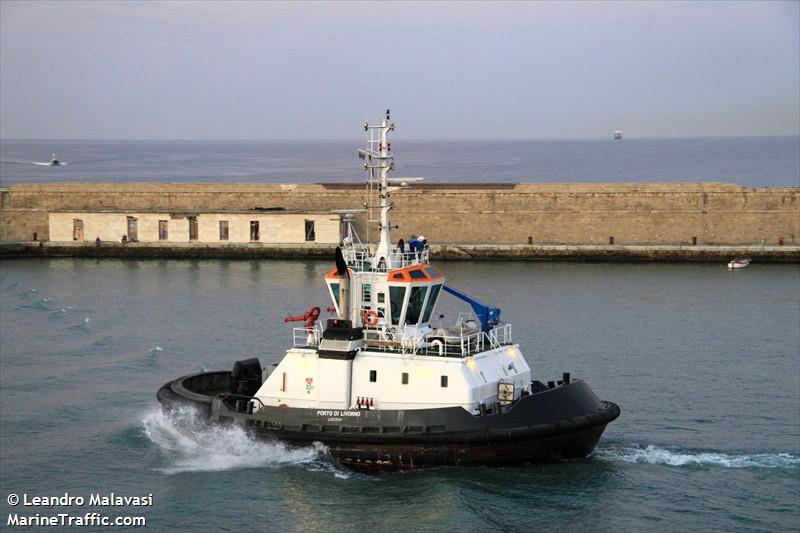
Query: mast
point(378, 162)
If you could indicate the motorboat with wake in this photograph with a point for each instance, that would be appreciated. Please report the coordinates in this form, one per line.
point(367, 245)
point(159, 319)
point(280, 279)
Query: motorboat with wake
point(381, 386)
point(739, 262)
point(54, 162)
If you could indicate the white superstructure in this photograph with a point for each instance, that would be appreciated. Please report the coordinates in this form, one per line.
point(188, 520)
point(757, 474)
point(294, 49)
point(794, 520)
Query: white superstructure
point(398, 360)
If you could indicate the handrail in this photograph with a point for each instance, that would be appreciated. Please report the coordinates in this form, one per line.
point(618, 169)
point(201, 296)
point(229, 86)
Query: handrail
point(462, 344)
point(361, 258)
point(303, 337)
point(499, 336)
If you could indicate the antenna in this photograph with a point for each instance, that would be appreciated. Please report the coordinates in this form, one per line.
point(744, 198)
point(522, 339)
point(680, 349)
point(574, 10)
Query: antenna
point(378, 162)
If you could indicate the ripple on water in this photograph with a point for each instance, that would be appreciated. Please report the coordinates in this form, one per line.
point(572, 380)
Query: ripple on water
point(39, 305)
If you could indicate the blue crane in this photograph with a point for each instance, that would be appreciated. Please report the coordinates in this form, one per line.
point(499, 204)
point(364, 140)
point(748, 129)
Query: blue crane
point(489, 316)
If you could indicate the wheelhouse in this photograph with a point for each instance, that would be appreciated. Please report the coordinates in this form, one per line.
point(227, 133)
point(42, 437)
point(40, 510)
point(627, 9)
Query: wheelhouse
point(390, 301)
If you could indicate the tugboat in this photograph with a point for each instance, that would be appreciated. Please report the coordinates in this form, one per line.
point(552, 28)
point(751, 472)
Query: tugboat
point(382, 387)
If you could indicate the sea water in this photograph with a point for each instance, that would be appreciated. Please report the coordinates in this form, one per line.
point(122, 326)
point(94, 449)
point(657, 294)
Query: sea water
point(749, 161)
point(704, 363)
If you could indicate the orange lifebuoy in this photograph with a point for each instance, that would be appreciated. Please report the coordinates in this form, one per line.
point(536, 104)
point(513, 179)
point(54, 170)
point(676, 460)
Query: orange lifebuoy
point(370, 317)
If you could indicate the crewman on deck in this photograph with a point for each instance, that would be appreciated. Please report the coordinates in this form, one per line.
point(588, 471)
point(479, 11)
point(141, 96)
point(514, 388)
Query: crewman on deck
point(414, 244)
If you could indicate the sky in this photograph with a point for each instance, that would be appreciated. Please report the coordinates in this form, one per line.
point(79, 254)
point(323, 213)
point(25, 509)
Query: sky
point(475, 70)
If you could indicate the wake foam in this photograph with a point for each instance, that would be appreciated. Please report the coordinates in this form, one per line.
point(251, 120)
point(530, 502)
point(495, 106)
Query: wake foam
point(655, 455)
point(188, 443)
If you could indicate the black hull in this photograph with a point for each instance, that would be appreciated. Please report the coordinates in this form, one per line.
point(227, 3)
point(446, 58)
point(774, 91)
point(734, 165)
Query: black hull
point(369, 458)
point(564, 422)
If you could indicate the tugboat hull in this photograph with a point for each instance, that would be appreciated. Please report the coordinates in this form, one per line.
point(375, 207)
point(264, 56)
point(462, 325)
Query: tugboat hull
point(564, 422)
point(368, 458)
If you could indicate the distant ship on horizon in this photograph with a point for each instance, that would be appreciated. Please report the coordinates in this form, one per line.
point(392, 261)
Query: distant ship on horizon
point(618, 135)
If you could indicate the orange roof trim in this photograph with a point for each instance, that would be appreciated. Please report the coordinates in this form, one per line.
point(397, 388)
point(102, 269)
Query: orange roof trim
point(414, 274)
point(333, 275)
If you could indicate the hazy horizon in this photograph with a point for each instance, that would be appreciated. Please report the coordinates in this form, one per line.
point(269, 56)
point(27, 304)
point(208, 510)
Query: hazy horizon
point(264, 71)
point(360, 140)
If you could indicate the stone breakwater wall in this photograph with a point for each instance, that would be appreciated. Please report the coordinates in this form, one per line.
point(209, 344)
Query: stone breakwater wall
point(470, 214)
point(524, 252)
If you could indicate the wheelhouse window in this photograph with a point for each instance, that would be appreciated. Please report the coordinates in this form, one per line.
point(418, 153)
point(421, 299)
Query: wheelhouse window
point(443, 381)
point(373, 376)
point(193, 233)
point(426, 317)
point(404, 378)
point(223, 230)
point(415, 302)
point(335, 292)
point(310, 234)
point(77, 229)
point(254, 230)
point(397, 295)
point(163, 230)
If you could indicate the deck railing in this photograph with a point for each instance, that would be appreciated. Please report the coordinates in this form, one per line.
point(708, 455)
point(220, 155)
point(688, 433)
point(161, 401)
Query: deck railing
point(499, 336)
point(467, 342)
point(361, 258)
point(306, 337)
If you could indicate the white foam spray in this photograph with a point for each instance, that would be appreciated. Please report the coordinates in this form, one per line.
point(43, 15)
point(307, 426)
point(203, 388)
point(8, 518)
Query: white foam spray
point(656, 455)
point(189, 443)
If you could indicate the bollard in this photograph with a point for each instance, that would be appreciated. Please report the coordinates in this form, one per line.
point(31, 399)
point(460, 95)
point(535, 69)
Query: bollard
point(565, 378)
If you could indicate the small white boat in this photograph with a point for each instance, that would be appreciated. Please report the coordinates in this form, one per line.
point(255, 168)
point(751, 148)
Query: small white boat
point(739, 262)
point(54, 162)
